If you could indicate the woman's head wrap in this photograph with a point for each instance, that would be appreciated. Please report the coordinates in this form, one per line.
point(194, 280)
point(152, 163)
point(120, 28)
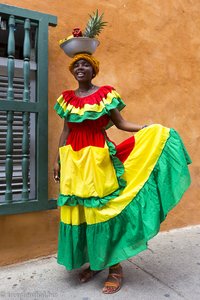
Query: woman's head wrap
point(91, 59)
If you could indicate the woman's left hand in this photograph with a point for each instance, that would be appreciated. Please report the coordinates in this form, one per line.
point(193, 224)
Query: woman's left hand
point(56, 172)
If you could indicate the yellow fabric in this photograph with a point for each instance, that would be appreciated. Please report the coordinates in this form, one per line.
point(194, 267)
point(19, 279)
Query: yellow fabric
point(149, 143)
point(91, 59)
point(87, 172)
point(88, 107)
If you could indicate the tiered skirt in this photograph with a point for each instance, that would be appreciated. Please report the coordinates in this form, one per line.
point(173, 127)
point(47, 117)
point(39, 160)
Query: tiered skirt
point(109, 209)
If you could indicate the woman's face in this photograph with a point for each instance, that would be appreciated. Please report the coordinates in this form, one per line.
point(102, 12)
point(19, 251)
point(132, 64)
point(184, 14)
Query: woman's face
point(83, 70)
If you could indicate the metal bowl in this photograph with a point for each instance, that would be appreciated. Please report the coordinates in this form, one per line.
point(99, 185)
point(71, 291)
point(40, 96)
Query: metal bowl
point(77, 45)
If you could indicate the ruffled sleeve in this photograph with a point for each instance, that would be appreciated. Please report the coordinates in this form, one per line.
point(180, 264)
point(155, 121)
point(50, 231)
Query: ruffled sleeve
point(77, 109)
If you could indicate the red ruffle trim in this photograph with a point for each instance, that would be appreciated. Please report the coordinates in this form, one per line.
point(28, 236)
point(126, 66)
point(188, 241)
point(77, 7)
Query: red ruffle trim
point(95, 98)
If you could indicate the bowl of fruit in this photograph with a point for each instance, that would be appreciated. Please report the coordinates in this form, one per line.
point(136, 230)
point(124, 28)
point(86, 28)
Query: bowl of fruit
point(84, 42)
point(75, 45)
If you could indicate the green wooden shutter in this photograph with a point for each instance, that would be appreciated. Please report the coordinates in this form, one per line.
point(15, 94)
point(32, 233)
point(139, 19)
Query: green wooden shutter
point(24, 110)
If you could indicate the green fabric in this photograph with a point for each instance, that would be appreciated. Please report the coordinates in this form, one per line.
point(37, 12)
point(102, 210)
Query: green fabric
point(72, 200)
point(87, 202)
point(121, 237)
point(118, 165)
point(91, 115)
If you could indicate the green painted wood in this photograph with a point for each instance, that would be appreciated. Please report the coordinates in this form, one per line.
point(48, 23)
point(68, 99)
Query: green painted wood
point(11, 56)
point(25, 157)
point(9, 157)
point(25, 207)
point(10, 98)
point(26, 54)
point(42, 97)
point(26, 13)
point(26, 98)
point(20, 21)
point(19, 106)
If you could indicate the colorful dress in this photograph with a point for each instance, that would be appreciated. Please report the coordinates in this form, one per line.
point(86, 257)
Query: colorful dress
point(113, 198)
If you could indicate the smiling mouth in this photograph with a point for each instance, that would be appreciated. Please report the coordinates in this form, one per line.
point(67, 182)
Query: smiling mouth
point(80, 74)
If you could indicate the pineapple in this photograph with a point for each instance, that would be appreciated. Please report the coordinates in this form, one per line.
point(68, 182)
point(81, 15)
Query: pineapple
point(94, 25)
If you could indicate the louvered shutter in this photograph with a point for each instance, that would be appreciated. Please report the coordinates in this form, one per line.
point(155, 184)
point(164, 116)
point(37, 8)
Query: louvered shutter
point(18, 86)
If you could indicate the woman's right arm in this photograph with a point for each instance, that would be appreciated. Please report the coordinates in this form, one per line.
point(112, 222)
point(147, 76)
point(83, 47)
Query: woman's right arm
point(62, 142)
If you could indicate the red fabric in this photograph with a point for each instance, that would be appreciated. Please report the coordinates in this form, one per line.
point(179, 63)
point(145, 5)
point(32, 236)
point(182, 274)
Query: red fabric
point(92, 133)
point(87, 133)
point(124, 149)
point(95, 98)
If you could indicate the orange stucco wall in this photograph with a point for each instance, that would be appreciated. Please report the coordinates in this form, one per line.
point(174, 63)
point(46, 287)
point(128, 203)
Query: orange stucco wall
point(150, 53)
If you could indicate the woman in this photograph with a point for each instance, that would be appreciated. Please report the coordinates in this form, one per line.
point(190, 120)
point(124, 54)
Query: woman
point(112, 198)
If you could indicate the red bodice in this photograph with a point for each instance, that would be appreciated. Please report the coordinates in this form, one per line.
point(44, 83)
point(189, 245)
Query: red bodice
point(87, 133)
point(92, 133)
